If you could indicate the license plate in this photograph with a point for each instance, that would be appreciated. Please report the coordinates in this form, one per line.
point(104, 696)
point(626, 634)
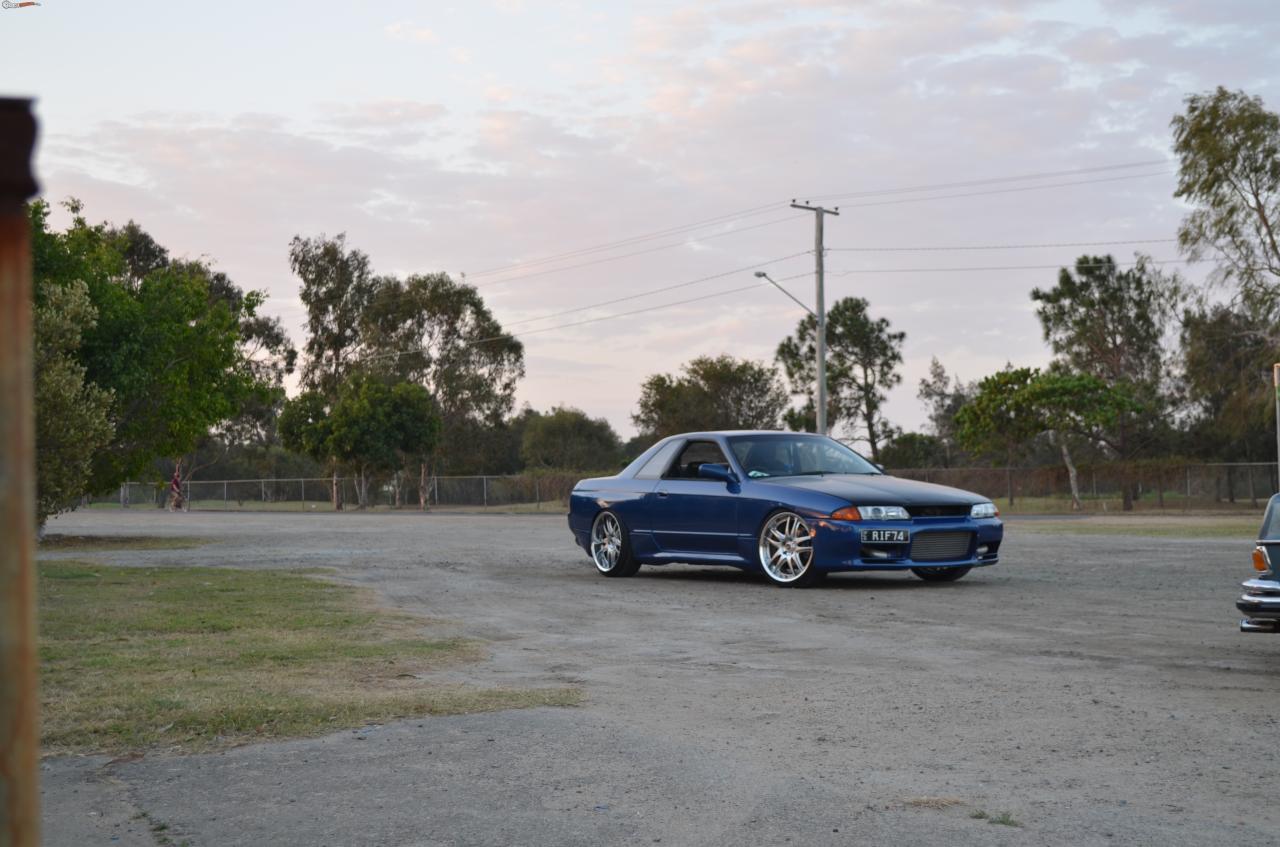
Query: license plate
point(885, 536)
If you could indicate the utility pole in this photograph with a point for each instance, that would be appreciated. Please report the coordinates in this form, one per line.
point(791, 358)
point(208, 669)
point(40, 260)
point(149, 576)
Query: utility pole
point(1275, 382)
point(19, 783)
point(818, 253)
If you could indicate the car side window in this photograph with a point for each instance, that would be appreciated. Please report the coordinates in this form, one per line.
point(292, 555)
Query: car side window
point(695, 454)
point(654, 468)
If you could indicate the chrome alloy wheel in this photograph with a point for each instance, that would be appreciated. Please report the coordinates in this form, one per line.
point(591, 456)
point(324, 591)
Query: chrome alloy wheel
point(606, 542)
point(786, 547)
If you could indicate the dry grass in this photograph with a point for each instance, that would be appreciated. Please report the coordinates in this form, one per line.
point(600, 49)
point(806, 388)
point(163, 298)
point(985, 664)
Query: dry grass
point(192, 659)
point(933, 802)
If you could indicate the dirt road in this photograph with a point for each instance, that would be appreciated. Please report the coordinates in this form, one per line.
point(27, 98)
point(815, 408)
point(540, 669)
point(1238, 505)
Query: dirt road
point(1093, 687)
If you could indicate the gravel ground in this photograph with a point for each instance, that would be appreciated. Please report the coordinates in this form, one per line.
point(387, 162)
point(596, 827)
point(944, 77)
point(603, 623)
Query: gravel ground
point(1095, 688)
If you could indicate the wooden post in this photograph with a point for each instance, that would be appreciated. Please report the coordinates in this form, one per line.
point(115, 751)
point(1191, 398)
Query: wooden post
point(19, 703)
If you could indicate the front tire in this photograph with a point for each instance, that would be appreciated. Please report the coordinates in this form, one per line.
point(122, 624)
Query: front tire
point(611, 547)
point(940, 574)
point(786, 550)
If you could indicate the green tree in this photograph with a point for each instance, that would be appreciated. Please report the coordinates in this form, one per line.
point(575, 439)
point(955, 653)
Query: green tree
point(1110, 324)
point(72, 420)
point(1228, 148)
point(372, 427)
point(1226, 383)
point(440, 334)
point(712, 393)
point(863, 356)
point(943, 397)
point(337, 285)
point(304, 426)
point(998, 421)
point(914, 450)
point(566, 438)
point(167, 342)
point(1072, 405)
point(1015, 406)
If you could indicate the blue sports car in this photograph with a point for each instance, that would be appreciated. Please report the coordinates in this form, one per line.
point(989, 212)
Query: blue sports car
point(793, 505)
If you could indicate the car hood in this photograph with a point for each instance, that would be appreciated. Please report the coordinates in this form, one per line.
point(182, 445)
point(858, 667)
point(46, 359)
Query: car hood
point(882, 490)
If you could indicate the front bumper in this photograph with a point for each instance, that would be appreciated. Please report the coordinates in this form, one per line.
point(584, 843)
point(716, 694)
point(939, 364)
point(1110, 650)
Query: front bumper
point(839, 545)
point(1261, 602)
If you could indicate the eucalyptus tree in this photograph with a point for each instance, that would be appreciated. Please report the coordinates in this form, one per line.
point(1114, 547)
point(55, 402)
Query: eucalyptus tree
point(711, 392)
point(1228, 147)
point(863, 357)
point(438, 333)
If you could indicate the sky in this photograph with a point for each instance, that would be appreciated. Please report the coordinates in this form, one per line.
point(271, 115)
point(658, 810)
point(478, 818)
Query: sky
point(560, 155)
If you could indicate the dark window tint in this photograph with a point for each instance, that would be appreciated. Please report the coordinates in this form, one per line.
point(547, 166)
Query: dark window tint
point(655, 467)
point(696, 454)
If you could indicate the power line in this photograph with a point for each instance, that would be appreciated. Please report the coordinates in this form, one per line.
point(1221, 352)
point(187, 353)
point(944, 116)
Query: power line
point(507, 335)
point(854, 206)
point(731, 216)
point(639, 311)
point(636, 253)
point(1011, 267)
point(659, 290)
point(989, 181)
point(755, 210)
point(1004, 190)
point(1000, 246)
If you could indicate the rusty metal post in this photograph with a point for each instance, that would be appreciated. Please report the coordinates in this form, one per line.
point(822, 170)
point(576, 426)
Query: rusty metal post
point(19, 705)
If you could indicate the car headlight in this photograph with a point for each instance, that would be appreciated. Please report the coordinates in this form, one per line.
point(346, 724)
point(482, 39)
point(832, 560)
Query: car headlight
point(884, 513)
point(984, 510)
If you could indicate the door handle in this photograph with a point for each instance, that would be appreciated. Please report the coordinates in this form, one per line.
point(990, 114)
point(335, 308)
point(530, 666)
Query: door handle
point(662, 494)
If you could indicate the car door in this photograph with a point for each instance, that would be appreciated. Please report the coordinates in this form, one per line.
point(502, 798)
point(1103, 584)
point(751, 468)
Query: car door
point(693, 514)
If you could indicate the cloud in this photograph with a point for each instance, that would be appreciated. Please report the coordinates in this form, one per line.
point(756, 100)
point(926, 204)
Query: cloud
point(383, 114)
point(409, 31)
point(686, 117)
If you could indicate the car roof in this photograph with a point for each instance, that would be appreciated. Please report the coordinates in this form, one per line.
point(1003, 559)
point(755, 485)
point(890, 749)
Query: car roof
point(736, 432)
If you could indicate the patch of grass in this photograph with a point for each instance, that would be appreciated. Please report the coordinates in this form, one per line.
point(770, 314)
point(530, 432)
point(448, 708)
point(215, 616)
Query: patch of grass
point(1169, 526)
point(119, 542)
point(933, 802)
point(194, 659)
point(1004, 819)
point(979, 815)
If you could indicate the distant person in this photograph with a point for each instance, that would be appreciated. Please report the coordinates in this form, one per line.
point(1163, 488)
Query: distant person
point(176, 501)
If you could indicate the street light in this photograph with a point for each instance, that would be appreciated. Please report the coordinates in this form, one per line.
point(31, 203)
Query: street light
point(820, 407)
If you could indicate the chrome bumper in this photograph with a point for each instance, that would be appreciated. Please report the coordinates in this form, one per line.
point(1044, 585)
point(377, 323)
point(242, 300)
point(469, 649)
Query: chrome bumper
point(1261, 602)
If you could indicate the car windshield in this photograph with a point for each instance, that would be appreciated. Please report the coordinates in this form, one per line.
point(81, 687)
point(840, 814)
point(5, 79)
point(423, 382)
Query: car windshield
point(764, 456)
point(1271, 521)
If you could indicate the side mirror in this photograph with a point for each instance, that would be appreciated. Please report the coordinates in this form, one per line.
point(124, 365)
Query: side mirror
point(719, 472)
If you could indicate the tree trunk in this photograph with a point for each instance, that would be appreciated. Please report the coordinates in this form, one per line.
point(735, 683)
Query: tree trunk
point(335, 491)
point(362, 491)
point(1008, 477)
point(422, 486)
point(1072, 475)
point(397, 482)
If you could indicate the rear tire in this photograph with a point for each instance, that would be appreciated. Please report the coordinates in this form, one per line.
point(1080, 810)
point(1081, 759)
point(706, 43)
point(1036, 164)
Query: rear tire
point(940, 574)
point(611, 546)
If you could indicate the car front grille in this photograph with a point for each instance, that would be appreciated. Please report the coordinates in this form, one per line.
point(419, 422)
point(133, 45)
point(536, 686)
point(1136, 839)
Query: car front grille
point(941, 546)
point(939, 511)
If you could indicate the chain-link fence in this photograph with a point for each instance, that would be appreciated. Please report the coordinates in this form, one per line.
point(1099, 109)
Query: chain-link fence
point(524, 492)
point(1151, 486)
